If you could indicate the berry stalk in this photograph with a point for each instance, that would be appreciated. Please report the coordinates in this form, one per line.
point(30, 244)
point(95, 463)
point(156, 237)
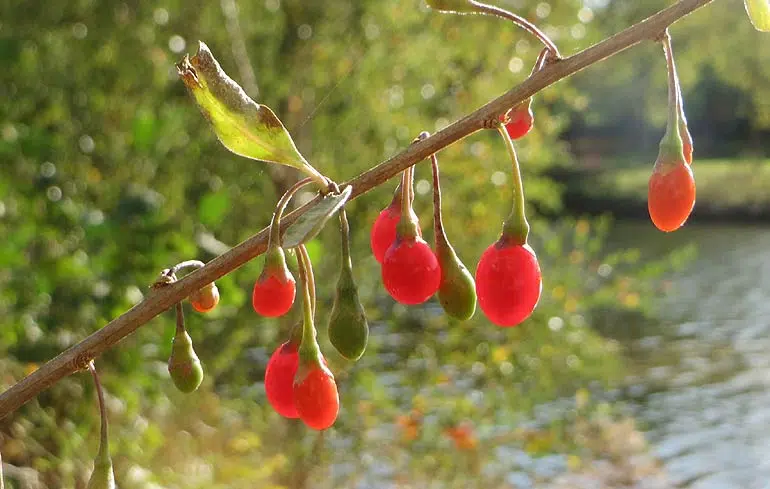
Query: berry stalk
point(196, 264)
point(104, 442)
point(438, 220)
point(472, 6)
point(345, 238)
point(519, 21)
point(407, 226)
point(308, 349)
point(684, 131)
point(515, 226)
point(672, 140)
point(275, 223)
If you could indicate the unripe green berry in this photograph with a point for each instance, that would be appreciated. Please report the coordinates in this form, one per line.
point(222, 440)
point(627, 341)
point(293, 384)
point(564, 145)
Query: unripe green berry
point(103, 476)
point(348, 329)
point(457, 290)
point(183, 365)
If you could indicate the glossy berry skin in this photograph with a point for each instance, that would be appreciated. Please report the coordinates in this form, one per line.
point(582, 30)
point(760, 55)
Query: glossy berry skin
point(384, 231)
point(508, 283)
point(410, 271)
point(521, 120)
point(316, 397)
point(273, 294)
point(279, 379)
point(670, 195)
point(205, 299)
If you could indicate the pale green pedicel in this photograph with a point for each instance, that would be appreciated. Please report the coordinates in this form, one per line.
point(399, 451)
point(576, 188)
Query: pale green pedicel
point(103, 476)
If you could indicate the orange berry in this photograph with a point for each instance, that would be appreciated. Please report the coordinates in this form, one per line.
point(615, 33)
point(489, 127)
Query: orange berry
point(463, 436)
point(671, 194)
point(205, 299)
point(316, 397)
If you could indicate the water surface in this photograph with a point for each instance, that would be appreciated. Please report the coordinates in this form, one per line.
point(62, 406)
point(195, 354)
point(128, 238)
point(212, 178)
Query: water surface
point(703, 389)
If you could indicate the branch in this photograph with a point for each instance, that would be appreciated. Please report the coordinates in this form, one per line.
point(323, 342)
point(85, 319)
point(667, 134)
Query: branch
point(77, 357)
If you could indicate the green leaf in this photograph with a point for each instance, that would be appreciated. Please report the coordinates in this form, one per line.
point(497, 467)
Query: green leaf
point(454, 6)
point(212, 208)
point(243, 126)
point(145, 128)
point(759, 13)
point(310, 223)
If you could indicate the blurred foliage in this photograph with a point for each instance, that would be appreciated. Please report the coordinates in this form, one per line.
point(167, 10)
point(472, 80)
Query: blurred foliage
point(722, 63)
point(110, 174)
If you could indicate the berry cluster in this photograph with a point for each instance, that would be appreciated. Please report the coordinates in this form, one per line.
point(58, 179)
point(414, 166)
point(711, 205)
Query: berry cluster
point(508, 281)
point(298, 382)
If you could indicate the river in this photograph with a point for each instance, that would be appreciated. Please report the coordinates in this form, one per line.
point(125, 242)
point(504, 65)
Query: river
point(702, 385)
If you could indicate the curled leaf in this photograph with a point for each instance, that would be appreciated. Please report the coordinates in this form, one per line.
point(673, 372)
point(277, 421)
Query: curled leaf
point(759, 13)
point(242, 125)
point(307, 226)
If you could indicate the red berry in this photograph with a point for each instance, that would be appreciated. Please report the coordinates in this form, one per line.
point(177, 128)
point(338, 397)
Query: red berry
point(508, 283)
point(205, 299)
point(410, 271)
point(384, 231)
point(279, 379)
point(520, 123)
point(671, 194)
point(273, 294)
point(316, 397)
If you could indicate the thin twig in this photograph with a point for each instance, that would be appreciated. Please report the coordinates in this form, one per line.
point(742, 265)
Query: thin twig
point(77, 357)
point(528, 26)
